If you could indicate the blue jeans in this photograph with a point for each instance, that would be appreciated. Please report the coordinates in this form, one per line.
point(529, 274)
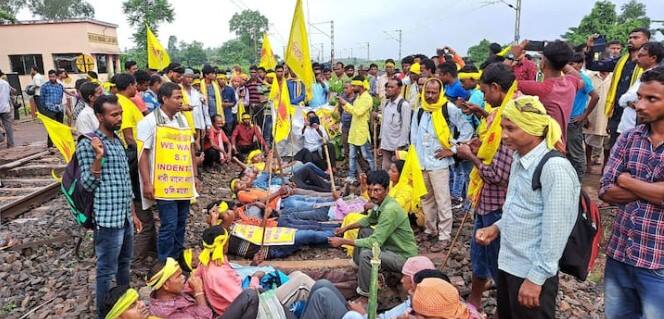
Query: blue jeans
point(484, 259)
point(632, 292)
point(173, 215)
point(302, 238)
point(300, 202)
point(263, 178)
point(316, 214)
point(113, 248)
point(314, 169)
point(352, 154)
point(459, 178)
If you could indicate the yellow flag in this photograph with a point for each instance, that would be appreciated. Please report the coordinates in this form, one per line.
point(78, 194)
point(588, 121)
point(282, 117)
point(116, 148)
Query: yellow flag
point(61, 136)
point(298, 57)
point(281, 104)
point(158, 58)
point(411, 174)
point(267, 57)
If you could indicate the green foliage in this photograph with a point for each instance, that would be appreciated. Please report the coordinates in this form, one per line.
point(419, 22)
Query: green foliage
point(140, 13)
point(249, 26)
point(6, 17)
point(9, 9)
point(604, 20)
point(233, 52)
point(192, 54)
point(61, 9)
point(479, 52)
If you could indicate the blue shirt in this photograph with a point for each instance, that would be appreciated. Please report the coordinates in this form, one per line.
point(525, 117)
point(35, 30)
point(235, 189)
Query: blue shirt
point(320, 92)
point(456, 90)
point(150, 100)
point(581, 99)
point(51, 96)
point(536, 224)
point(296, 91)
point(262, 178)
point(112, 189)
point(426, 142)
point(477, 98)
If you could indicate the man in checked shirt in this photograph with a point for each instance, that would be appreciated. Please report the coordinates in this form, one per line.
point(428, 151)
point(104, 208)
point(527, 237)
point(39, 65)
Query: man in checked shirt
point(634, 181)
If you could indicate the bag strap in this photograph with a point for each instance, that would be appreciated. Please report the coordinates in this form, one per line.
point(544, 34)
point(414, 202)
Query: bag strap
point(400, 105)
point(159, 118)
point(537, 183)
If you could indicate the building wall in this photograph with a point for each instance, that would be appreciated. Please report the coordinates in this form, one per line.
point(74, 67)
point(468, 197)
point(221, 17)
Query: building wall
point(57, 38)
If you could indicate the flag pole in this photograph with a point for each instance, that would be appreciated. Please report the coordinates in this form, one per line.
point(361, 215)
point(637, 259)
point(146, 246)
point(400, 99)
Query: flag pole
point(266, 212)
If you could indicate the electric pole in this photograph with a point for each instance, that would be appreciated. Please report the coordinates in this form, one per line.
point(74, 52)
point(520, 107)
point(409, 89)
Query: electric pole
point(331, 36)
point(517, 21)
point(368, 51)
point(397, 38)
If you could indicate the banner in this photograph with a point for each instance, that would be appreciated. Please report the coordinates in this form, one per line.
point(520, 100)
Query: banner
point(158, 58)
point(173, 171)
point(273, 235)
point(60, 135)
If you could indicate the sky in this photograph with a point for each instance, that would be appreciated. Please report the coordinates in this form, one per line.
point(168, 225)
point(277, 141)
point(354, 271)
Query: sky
point(432, 24)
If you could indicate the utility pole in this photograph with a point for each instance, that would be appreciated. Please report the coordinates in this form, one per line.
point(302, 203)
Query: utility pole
point(397, 38)
point(368, 51)
point(331, 36)
point(517, 21)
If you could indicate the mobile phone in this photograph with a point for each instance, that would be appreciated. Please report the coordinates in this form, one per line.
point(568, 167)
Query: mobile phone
point(599, 44)
point(533, 45)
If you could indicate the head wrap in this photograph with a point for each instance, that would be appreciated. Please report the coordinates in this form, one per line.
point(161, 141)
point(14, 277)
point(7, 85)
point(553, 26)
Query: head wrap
point(252, 155)
point(221, 76)
point(414, 264)
point(215, 250)
point(246, 116)
point(159, 279)
point(528, 113)
point(435, 297)
point(222, 208)
point(357, 83)
point(233, 184)
point(470, 75)
point(436, 110)
point(389, 64)
point(187, 256)
point(415, 68)
point(123, 304)
point(244, 76)
point(196, 82)
point(504, 51)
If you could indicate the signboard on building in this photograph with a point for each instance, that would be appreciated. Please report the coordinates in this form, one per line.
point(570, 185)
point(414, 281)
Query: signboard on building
point(102, 38)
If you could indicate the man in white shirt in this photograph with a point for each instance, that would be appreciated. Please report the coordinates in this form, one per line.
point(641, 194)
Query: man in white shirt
point(37, 81)
point(200, 114)
point(395, 123)
point(87, 122)
point(172, 213)
point(648, 57)
point(6, 115)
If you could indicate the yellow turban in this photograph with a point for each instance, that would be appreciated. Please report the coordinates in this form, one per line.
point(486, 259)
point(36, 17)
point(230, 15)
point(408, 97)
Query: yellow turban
point(214, 251)
point(160, 278)
point(196, 81)
point(123, 304)
point(415, 68)
point(188, 255)
point(253, 154)
point(528, 113)
point(389, 64)
point(221, 76)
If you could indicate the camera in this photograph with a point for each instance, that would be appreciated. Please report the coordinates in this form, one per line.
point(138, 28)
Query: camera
point(535, 45)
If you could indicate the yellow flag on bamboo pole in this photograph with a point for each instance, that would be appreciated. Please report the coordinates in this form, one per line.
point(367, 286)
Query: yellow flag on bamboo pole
point(298, 57)
point(282, 107)
point(158, 58)
point(61, 136)
point(267, 56)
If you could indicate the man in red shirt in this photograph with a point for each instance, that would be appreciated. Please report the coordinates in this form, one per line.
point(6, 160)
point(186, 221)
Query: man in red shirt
point(245, 137)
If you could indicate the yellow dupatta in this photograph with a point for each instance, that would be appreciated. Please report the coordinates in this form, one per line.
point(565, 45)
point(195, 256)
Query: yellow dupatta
point(189, 113)
point(217, 97)
point(615, 78)
point(436, 109)
point(490, 138)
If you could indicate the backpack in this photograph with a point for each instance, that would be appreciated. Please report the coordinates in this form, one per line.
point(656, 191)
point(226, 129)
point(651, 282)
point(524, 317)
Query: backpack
point(446, 115)
point(582, 246)
point(79, 199)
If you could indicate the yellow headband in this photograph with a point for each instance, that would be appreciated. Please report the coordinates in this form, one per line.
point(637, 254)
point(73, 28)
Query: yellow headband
point(415, 68)
point(196, 81)
point(216, 249)
point(504, 51)
point(123, 304)
point(357, 82)
point(160, 278)
point(221, 76)
point(246, 116)
point(528, 113)
point(188, 255)
point(253, 154)
point(222, 208)
point(389, 64)
point(470, 75)
point(234, 184)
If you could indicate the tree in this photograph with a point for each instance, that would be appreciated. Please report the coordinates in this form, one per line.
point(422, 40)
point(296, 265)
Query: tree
point(6, 17)
point(234, 52)
point(192, 54)
point(249, 26)
point(9, 9)
point(61, 9)
point(146, 12)
point(479, 52)
point(604, 20)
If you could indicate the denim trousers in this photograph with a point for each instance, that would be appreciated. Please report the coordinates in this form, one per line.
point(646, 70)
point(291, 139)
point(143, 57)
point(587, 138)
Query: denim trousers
point(302, 238)
point(632, 292)
point(295, 203)
point(459, 174)
point(367, 154)
point(114, 249)
point(173, 216)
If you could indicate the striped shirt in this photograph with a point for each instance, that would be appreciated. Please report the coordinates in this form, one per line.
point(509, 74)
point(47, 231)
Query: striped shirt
point(535, 225)
point(637, 237)
point(112, 189)
point(496, 178)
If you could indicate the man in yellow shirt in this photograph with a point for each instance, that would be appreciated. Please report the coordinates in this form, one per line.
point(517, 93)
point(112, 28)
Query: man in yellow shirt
point(358, 137)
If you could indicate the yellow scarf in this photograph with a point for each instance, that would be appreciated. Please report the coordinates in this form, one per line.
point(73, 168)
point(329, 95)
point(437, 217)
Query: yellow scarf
point(436, 110)
point(491, 139)
point(160, 278)
point(188, 114)
point(615, 78)
point(188, 256)
point(528, 113)
point(217, 97)
point(123, 304)
point(215, 251)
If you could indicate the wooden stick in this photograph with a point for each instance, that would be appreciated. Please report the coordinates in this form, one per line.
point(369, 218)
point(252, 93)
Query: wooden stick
point(239, 162)
point(266, 215)
point(449, 250)
point(329, 166)
point(375, 140)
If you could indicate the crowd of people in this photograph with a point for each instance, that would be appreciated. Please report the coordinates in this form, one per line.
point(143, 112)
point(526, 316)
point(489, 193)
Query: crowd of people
point(471, 137)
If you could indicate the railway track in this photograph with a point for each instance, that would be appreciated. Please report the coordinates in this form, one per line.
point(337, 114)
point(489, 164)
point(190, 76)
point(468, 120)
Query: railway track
point(27, 183)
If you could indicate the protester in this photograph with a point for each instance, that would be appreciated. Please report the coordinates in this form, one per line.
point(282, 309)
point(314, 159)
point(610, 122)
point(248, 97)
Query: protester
point(150, 96)
point(124, 303)
point(111, 184)
point(37, 80)
point(131, 67)
point(348, 94)
point(535, 224)
point(172, 213)
point(632, 181)
point(320, 89)
point(247, 137)
point(625, 73)
point(87, 122)
point(218, 148)
point(316, 144)
point(50, 99)
point(358, 136)
point(580, 111)
point(142, 84)
point(198, 112)
point(437, 298)
point(392, 233)
point(596, 136)
point(431, 134)
point(338, 79)
point(6, 110)
point(383, 78)
point(395, 124)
